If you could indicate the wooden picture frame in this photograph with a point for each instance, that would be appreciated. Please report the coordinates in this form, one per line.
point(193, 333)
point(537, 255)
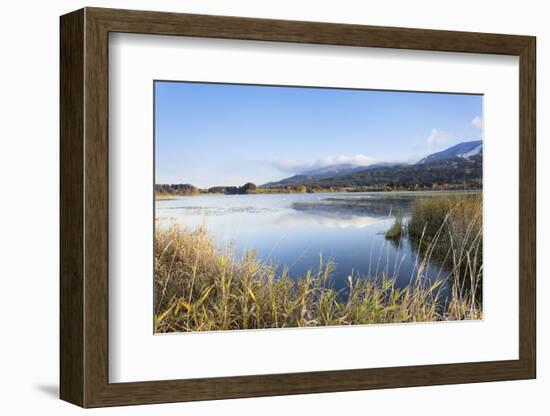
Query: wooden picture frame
point(84, 207)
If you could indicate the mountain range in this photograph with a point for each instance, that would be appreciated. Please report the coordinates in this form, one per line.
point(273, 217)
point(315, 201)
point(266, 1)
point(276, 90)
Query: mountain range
point(459, 164)
point(462, 150)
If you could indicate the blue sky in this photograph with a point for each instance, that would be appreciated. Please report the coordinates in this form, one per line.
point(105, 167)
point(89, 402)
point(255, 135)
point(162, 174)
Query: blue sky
point(224, 134)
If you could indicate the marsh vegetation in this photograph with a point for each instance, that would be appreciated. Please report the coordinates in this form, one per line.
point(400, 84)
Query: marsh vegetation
point(201, 287)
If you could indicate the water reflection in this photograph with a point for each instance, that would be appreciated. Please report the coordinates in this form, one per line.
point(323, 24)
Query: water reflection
point(327, 219)
point(372, 205)
point(296, 231)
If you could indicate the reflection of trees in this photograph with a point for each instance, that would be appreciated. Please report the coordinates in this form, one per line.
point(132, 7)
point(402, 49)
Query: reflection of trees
point(375, 207)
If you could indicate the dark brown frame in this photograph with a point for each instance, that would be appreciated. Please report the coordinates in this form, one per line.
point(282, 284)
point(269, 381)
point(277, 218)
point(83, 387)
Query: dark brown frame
point(84, 207)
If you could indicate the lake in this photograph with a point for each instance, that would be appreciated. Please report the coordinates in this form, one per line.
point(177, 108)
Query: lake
point(295, 230)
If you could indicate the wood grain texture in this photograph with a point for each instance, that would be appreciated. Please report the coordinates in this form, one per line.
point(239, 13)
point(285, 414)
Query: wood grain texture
point(527, 208)
point(96, 207)
point(84, 207)
point(71, 158)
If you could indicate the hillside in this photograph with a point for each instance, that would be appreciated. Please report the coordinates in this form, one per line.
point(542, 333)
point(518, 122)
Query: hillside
point(462, 150)
point(458, 165)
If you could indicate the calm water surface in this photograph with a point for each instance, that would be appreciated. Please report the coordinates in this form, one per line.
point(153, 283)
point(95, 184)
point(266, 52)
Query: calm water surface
point(294, 230)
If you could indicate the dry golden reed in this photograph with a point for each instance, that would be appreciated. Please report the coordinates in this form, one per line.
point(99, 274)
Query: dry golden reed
point(201, 288)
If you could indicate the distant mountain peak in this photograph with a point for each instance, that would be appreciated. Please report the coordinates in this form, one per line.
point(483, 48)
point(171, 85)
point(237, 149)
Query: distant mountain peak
point(464, 150)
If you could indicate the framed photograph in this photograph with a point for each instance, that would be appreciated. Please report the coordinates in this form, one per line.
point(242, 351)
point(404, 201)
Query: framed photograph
point(255, 207)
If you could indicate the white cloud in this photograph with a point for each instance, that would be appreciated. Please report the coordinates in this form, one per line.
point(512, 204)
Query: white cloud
point(295, 166)
point(437, 137)
point(477, 122)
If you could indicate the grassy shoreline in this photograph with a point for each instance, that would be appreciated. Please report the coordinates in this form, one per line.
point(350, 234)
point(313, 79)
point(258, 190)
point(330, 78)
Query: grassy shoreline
point(168, 196)
point(200, 288)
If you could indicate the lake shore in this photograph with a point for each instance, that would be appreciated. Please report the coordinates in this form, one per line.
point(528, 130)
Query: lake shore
point(168, 196)
point(199, 287)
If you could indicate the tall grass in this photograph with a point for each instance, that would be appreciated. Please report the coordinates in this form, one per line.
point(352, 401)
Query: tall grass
point(200, 288)
point(450, 231)
point(462, 216)
point(396, 230)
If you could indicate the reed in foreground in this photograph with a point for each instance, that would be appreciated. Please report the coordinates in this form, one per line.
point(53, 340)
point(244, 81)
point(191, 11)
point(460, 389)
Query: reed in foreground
point(200, 288)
